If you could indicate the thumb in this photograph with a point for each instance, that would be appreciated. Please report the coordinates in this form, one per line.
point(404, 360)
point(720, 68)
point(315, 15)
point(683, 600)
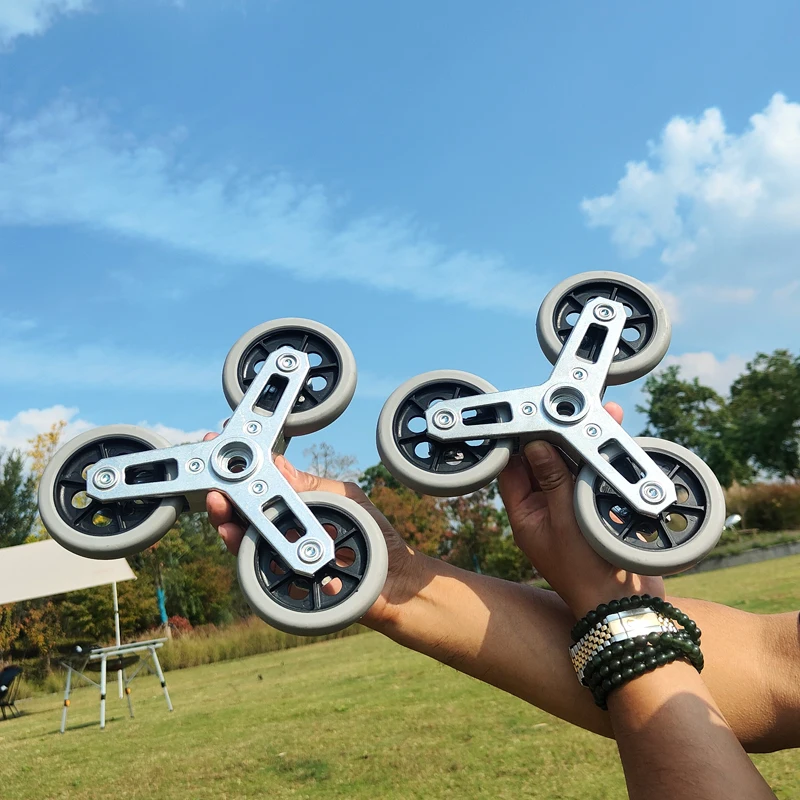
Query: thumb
point(551, 472)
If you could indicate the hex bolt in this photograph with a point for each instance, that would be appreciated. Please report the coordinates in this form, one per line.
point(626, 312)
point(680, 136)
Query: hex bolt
point(105, 479)
point(310, 551)
point(287, 363)
point(258, 487)
point(651, 492)
point(253, 427)
point(593, 431)
point(604, 313)
point(527, 409)
point(195, 465)
point(579, 374)
point(444, 419)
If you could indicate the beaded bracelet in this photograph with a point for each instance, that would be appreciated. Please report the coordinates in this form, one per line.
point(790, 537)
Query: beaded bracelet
point(604, 662)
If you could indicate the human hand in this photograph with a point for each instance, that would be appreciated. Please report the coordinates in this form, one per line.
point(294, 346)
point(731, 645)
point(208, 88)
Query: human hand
point(537, 490)
point(402, 563)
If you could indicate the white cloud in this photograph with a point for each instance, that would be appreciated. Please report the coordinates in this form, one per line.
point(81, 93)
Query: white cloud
point(722, 208)
point(709, 370)
point(20, 429)
point(33, 17)
point(67, 166)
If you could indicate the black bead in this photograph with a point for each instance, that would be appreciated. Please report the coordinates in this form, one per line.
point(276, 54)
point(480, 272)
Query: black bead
point(606, 654)
point(604, 670)
point(614, 664)
point(639, 655)
point(617, 649)
point(601, 610)
point(625, 603)
point(628, 645)
point(661, 659)
point(626, 660)
point(591, 617)
point(640, 641)
point(635, 600)
point(650, 662)
point(616, 679)
point(639, 668)
point(607, 685)
point(666, 639)
point(628, 673)
point(646, 599)
point(596, 662)
point(613, 606)
point(653, 638)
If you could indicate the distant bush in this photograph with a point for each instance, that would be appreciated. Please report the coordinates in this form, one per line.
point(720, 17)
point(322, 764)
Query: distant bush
point(766, 506)
point(207, 644)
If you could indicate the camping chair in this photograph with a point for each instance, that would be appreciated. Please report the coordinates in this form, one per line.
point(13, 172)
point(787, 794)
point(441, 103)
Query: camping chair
point(9, 686)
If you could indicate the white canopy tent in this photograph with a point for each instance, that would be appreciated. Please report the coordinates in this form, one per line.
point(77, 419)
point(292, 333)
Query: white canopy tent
point(44, 569)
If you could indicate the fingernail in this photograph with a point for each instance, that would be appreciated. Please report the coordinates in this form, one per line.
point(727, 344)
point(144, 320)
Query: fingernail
point(537, 452)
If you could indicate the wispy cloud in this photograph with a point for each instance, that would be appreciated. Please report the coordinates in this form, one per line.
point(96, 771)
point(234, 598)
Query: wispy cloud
point(16, 433)
point(33, 17)
point(708, 369)
point(68, 166)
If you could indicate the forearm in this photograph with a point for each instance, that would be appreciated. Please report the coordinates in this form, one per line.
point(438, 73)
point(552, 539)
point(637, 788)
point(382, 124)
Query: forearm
point(674, 742)
point(517, 637)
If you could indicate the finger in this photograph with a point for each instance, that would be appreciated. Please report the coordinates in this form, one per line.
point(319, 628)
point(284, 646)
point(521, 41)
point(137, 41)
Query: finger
point(209, 436)
point(232, 534)
point(551, 472)
point(220, 509)
point(616, 411)
point(514, 483)
point(306, 482)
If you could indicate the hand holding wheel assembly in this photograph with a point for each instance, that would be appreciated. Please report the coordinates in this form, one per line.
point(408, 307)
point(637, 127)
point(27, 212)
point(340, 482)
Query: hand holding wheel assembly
point(309, 563)
point(646, 505)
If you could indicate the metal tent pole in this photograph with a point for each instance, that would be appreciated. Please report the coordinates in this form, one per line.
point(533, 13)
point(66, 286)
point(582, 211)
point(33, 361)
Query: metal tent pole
point(116, 633)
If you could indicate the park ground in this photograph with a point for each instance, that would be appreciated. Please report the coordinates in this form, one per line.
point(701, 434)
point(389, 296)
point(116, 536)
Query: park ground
point(358, 718)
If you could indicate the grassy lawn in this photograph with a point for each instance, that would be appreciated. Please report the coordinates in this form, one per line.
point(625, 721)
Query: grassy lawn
point(356, 718)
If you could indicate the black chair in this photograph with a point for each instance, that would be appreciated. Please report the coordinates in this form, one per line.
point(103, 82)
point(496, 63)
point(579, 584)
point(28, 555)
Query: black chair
point(9, 686)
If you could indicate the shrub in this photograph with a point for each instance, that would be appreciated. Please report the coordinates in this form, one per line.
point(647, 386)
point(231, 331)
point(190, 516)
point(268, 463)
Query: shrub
point(766, 506)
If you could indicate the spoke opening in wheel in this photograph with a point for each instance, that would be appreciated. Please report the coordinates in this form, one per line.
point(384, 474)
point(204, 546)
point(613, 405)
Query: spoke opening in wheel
point(324, 373)
point(640, 320)
point(333, 583)
point(675, 526)
point(86, 515)
point(431, 455)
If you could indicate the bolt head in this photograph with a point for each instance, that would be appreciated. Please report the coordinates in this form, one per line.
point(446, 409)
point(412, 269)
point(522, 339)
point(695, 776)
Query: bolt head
point(287, 363)
point(195, 465)
point(258, 487)
point(604, 312)
point(651, 493)
point(253, 427)
point(310, 551)
point(105, 479)
point(444, 419)
point(528, 409)
point(593, 431)
point(579, 374)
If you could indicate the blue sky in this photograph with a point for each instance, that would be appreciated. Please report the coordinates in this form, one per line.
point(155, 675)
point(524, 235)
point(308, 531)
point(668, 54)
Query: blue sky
point(415, 175)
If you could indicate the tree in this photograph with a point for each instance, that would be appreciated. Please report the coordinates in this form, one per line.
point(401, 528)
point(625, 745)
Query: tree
point(419, 519)
point(695, 416)
point(17, 500)
point(765, 402)
point(10, 628)
point(327, 463)
point(42, 448)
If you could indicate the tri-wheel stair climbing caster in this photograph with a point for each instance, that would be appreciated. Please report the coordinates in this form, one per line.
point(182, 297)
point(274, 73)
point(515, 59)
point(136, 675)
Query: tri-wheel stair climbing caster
point(644, 504)
point(310, 563)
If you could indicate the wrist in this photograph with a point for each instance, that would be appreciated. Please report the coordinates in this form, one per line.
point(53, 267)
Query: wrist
point(590, 597)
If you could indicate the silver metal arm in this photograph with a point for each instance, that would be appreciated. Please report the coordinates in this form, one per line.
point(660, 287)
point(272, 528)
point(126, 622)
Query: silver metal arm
point(238, 463)
point(567, 410)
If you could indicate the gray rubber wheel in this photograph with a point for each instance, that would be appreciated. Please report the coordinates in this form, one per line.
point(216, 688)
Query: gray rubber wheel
point(647, 332)
point(683, 534)
point(332, 378)
point(104, 530)
point(422, 463)
point(297, 604)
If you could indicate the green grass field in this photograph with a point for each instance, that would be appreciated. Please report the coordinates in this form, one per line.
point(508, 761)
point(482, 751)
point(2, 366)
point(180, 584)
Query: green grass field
point(356, 718)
